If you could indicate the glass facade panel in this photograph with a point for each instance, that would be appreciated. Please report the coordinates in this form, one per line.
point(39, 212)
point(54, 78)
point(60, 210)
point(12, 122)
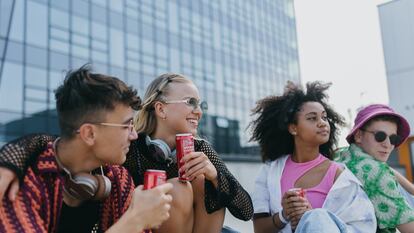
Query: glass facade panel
point(80, 7)
point(14, 51)
point(6, 12)
point(36, 24)
point(36, 56)
point(59, 18)
point(235, 52)
point(11, 91)
point(16, 30)
point(36, 77)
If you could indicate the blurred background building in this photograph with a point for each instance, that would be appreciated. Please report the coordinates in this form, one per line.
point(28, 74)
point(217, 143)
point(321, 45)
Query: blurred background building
point(397, 29)
point(235, 51)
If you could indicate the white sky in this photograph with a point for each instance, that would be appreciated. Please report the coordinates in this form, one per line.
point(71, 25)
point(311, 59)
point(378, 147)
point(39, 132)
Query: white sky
point(340, 42)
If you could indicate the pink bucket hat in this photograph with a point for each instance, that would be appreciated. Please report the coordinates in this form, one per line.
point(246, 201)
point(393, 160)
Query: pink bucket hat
point(373, 110)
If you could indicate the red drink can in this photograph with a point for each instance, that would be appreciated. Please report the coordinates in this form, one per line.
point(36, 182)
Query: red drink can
point(153, 178)
point(299, 191)
point(184, 145)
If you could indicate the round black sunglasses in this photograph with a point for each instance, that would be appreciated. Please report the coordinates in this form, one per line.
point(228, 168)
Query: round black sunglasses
point(380, 136)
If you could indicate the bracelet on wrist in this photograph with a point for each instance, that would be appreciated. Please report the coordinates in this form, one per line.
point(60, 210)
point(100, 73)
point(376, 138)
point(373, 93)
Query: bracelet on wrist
point(282, 218)
point(274, 222)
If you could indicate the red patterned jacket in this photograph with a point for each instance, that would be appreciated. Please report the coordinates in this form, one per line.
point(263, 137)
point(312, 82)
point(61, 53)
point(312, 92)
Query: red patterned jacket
point(39, 201)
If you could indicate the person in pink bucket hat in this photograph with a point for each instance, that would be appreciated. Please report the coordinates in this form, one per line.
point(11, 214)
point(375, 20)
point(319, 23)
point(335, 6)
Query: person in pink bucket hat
point(377, 131)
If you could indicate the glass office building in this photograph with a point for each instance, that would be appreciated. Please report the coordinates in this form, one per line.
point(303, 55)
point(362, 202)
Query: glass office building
point(236, 51)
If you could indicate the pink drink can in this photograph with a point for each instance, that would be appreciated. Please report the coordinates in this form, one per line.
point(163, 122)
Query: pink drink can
point(153, 178)
point(299, 191)
point(184, 145)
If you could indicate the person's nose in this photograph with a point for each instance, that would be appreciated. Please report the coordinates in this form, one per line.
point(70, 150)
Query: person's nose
point(133, 135)
point(387, 142)
point(198, 111)
point(322, 122)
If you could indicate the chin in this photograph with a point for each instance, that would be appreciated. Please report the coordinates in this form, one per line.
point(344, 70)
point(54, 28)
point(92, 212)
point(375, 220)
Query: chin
point(383, 158)
point(190, 130)
point(119, 161)
point(122, 160)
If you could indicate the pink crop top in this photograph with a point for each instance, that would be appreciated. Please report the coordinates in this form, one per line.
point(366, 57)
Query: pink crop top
point(317, 194)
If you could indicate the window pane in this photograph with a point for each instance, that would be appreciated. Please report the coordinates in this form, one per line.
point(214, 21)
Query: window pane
point(59, 18)
point(36, 77)
point(80, 7)
point(16, 30)
point(36, 56)
point(11, 95)
point(80, 25)
point(14, 51)
point(117, 48)
point(99, 13)
point(59, 61)
point(5, 7)
point(36, 24)
point(98, 31)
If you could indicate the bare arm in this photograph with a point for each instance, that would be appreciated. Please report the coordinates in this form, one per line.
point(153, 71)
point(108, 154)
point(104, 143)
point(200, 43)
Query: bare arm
point(406, 228)
point(8, 182)
point(264, 224)
point(404, 182)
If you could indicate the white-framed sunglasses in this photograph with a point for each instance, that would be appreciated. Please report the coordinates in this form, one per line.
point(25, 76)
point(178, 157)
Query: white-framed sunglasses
point(192, 102)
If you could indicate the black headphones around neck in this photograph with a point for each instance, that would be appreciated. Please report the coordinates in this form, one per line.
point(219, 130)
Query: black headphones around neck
point(160, 150)
point(84, 186)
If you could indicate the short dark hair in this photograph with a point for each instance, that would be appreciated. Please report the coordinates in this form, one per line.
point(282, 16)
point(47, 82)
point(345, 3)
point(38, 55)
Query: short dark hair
point(85, 97)
point(275, 113)
point(389, 118)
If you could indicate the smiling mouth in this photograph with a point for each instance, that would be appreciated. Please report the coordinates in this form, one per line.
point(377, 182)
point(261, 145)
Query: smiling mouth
point(193, 122)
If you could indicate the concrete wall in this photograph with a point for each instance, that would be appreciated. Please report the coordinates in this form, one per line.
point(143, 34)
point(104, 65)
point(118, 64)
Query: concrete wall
point(397, 30)
point(246, 173)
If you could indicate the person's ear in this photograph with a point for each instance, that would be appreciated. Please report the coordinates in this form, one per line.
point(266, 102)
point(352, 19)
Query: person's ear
point(292, 129)
point(160, 110)
point(358, 136)
point(87, 133)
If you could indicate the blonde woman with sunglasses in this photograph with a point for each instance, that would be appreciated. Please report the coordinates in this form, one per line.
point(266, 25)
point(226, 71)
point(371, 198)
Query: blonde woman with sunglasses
point(378, 130)
point(171, 106)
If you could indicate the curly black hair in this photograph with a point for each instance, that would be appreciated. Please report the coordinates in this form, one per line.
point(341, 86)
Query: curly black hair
point(275, 113)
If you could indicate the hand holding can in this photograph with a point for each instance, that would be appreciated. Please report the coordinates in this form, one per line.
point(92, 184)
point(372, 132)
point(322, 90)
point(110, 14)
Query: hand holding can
point(153, 178)
point(299, 191)
point(184, 145)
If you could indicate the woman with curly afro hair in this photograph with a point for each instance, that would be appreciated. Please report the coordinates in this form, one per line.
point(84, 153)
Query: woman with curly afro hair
point(299, 188)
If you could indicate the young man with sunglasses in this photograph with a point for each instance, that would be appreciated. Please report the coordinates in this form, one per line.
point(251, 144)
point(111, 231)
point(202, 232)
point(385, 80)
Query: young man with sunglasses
point(377, 131)
point(75, 183)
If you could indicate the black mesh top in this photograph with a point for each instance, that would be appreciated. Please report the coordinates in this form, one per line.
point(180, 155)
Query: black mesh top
point(18, 154)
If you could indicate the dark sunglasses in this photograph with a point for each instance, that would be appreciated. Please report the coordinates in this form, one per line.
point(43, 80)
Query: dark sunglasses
point(380, 136)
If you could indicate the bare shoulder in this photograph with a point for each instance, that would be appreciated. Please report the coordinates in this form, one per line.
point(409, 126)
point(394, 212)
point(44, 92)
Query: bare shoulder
point(339, 170)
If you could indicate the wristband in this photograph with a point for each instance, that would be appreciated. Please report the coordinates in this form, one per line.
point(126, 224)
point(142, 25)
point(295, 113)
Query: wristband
point(274, 223)
point(282, 218)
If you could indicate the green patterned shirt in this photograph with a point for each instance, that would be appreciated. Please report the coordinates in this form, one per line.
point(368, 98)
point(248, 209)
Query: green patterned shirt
point(381, 186)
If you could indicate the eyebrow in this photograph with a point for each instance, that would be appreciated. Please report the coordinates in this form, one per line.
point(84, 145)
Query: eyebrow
point(128, 120)
point(314, 113)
